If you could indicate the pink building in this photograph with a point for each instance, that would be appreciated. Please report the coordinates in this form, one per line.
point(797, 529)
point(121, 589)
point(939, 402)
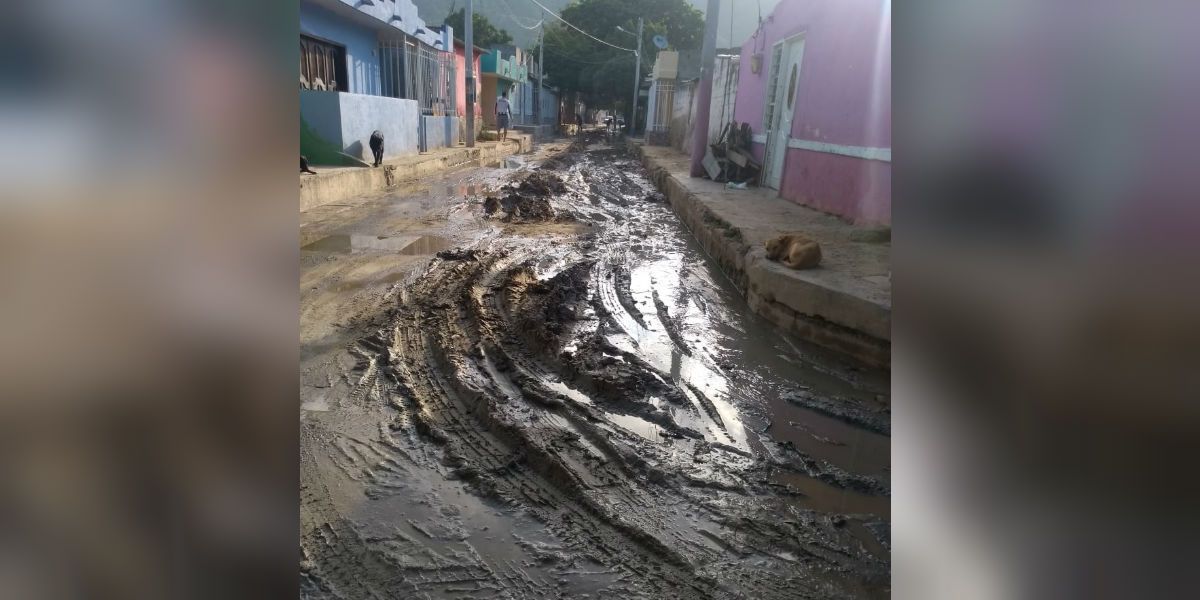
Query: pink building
point(460, 86)
point(815, 86)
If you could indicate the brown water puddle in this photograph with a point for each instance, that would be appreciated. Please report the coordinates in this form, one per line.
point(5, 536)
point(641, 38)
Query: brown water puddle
point(827, 498)
point(353, 243)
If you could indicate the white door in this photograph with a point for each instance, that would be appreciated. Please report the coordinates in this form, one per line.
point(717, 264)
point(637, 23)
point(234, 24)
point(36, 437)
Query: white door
point(782, 109)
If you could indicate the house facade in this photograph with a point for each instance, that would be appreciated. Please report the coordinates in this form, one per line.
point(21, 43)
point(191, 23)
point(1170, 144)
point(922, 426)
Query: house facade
point(502, 70)
point(529, 96)
point(507, 68)
point(460, 100)
point(814, 84)
point(682, 111)
point(660, 102)
point(367, 66)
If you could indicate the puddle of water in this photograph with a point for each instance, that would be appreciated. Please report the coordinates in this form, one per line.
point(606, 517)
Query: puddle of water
point(852, 448)
point(562, 388)
point(733, 359)
point(426, 244)
point(334, 243)
point(655, 344)
point(637, 425)
point(827, 498)
point(358, 284)
point(351, 243)
point(684, 417)
point(507, 163)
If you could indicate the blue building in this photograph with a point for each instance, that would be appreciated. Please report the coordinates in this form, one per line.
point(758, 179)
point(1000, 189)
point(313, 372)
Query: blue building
point(507, 68)
point(373, 64)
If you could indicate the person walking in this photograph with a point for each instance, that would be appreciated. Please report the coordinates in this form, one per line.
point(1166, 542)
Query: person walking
point(503, 114)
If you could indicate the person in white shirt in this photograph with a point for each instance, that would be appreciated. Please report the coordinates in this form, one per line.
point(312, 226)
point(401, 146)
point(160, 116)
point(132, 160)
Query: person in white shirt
point(503, 114)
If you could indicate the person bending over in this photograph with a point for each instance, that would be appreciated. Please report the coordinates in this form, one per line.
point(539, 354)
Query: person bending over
point(377, 146)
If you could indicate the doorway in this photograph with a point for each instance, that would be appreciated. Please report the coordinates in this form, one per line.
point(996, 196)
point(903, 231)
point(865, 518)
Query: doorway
point(786, 60)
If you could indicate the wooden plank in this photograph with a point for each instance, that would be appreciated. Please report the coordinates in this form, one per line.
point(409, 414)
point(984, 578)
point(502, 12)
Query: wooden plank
point(711, 165)
point(743, 158)
point(737, 157)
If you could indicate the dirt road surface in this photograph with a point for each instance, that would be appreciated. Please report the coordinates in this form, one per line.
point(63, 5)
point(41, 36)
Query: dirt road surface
point(525, 380)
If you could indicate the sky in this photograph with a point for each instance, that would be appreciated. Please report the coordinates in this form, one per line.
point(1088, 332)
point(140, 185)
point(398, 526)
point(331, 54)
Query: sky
point(515, 15)
point(745, 18)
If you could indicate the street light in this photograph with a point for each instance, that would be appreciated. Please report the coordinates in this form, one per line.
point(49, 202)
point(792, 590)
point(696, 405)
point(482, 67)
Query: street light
point(637, 70)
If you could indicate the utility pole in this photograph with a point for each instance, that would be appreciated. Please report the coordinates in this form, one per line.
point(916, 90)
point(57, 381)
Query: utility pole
point(470, 56)
point(708, 56)
point(637, 76)
point(541, 73)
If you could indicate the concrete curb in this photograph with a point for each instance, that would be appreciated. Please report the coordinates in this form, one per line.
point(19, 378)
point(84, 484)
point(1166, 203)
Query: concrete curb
point(800, 303)
point(330, 186)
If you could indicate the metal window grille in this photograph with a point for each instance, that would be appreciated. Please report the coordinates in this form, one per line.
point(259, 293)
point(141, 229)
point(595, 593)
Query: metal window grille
point(772, 89)
point(659, 120)
point(322, 65)
point(409, 69)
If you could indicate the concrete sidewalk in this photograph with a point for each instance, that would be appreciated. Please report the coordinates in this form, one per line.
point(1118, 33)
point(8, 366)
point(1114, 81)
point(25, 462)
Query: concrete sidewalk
point(335, 184)
point(845, 304)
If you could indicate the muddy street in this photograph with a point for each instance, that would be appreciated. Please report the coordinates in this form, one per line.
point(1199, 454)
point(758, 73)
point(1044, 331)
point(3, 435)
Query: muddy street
point(526, 380)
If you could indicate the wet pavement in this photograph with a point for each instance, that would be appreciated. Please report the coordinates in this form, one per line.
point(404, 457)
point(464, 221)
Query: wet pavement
point(526, 380)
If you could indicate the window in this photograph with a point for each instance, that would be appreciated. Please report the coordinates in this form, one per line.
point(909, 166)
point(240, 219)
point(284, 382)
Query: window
point(791, 100)
point(322, 65)
point(772, 87)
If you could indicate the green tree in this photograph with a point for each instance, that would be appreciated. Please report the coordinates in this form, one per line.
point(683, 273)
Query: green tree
point(485, 34)
point(575, 62)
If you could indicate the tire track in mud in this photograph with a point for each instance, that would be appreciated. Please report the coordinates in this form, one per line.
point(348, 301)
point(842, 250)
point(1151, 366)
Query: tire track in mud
point(335, 556)
point(505, 362)
point(466, 419)
point(456, 335)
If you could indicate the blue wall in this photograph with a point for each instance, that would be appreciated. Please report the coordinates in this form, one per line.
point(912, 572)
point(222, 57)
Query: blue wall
point(441, 132)
point(362, 63)
point(346, 121)
point(397, 119)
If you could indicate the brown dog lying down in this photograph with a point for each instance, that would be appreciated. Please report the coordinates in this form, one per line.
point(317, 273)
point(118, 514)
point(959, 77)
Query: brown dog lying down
point(794, 250)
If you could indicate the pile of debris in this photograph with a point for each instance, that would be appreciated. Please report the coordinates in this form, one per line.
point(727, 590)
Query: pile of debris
point(527, 202)
point(730, 159)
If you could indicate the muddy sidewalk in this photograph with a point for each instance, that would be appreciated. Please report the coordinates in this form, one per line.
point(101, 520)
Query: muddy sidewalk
point(555, 394)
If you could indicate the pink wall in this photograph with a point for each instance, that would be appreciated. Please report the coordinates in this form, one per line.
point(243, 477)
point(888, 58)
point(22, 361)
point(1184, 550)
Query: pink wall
point(843, 97)
point(460, 64)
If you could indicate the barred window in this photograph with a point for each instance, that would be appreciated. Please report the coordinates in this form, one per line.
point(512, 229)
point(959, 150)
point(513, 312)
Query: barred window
point(322, 65)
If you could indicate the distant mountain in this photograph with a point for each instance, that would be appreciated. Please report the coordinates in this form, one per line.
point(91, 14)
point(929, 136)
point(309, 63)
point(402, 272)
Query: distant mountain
point(514, 16)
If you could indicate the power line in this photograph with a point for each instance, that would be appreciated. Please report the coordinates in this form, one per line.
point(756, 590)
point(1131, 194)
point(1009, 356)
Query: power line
point(552, 43)
point(513, 17)
point(550, 49)
point(553, 14)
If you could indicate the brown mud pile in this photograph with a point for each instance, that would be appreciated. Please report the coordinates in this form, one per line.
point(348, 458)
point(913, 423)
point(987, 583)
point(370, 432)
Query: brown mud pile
point(529, 201)
point(597, 416)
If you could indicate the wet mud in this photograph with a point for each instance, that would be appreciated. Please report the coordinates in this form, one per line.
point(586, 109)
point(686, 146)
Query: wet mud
point(588, 413)
point(528, 201)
